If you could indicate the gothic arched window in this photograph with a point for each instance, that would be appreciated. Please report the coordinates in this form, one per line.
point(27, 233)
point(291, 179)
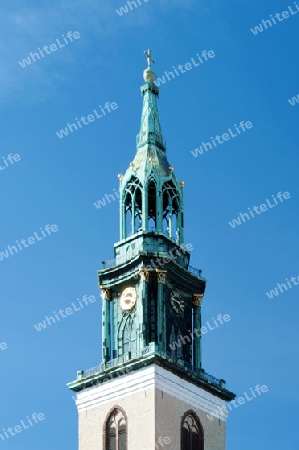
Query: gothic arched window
point(175, 343)
point(152, 210)
point(132, 198)
point(191, 432)
point(129, 336)
point(171, 210)
point(116, 431)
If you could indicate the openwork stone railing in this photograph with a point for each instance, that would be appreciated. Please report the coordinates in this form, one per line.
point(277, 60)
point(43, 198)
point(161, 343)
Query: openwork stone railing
point(151, 350)
point(195, 271)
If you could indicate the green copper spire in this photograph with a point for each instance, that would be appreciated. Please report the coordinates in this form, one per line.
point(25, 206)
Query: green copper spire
point(150, 129)
point(151, 197)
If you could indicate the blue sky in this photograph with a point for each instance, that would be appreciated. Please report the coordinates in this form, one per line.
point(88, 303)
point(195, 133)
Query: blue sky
point(57, 181)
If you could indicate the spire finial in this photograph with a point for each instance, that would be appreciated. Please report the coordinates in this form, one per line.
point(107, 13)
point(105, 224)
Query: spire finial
point(149, 75)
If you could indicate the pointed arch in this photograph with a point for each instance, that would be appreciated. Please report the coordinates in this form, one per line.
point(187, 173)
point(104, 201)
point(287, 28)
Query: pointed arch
point(175, 341)
point(116, 430)
point(171, 210)
point(152, 203)
point(179, 351)
point(138, 209)
point(128, 214)
point(127, 335)
point(172, 339)
point(192, 433)
point(132, 204)
point(167, 212)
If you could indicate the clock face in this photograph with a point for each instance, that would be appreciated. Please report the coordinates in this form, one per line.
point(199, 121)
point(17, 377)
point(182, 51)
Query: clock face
point(177, 302)
point(128, 298)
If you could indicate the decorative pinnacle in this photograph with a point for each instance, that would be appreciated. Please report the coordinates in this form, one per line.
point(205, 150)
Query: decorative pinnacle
point(149, 75)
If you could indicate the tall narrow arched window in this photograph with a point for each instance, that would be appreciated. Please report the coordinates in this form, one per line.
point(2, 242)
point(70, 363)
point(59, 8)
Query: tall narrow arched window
point(171, 208)
point(152, 213)
point(138, 210)
point(132, 204)
point(128, 215)
point(116, 431)
point(129, 337)
point(192, 437)
point(175, 343)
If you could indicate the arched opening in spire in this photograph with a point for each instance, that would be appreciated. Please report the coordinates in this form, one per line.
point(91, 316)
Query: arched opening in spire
point(128, 214)
point(171, 211)
point(175, 232)
point(166, 212)
point(152, 206)
point(132, 207)
point(138, 210)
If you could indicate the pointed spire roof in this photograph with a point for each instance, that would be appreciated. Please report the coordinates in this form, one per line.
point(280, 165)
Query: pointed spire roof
point(150, 128)
point(151, 148)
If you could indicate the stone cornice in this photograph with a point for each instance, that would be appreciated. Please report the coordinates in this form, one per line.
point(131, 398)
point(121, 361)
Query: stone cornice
point(151, 377)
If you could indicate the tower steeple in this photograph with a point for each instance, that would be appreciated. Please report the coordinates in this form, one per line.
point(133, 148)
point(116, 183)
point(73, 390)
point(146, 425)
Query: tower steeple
point(150, 384)
point(151, 198)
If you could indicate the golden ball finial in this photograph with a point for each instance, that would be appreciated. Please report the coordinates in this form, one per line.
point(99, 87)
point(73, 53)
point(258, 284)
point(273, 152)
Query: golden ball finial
point(149, 75)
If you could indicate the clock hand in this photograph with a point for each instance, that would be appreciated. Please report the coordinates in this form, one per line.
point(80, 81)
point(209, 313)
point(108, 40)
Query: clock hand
point(176, 301)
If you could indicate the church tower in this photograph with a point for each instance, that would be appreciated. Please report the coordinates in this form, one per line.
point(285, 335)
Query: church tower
point(150, 391)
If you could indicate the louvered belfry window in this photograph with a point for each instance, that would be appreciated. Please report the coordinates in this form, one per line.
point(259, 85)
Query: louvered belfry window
point(116, 431)
point(191, 433)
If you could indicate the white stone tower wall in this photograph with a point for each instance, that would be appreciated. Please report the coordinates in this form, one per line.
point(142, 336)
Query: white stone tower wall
point(154, 401)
